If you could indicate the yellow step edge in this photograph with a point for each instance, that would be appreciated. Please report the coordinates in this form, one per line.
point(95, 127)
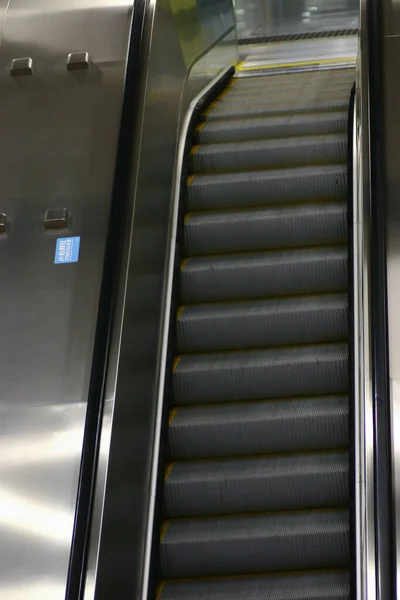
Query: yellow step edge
point(305, 63)
point(246, 457)
point(244, 576)
point(236, 403)
point(160, 589)
point(252, 515)
point(179, 312)
point(164, 528)
point(168, 470)
point(172, 415)
point(177, 360)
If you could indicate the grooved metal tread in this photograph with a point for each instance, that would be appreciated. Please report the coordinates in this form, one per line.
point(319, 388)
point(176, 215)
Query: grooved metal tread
point(249, 485)
point(269, 154)
point(265, 427)
point(257, 485)
point(263, 188)
point(255, 544)
point(303, 586)
point(221, 232)
point(263, 274)
point(262, 323)
point(259, 374)
point(271, 127)
point(300, 106)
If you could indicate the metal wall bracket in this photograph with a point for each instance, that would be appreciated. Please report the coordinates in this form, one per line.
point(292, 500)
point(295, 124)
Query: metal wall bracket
point(21, 66)
point(77, 61)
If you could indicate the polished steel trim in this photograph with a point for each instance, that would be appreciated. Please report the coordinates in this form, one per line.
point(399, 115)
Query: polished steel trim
point(176, 195)
point(364, 418)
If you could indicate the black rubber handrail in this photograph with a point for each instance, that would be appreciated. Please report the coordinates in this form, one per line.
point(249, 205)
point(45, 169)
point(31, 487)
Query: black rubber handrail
point(384, 514)
point(88, 469)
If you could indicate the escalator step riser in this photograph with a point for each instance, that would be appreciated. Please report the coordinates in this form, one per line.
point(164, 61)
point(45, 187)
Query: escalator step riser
point(251, 276)
point(212, 488)
point(252, 428)
point(271, 127)
point(265, 229)
point(306, 586)
point(259, 544)
point(262, 324)
point(268, 154)
point(261, 374)
point(233, 112)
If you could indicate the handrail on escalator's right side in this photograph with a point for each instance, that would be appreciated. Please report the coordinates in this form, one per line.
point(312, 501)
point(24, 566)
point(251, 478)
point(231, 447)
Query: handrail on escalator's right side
point(384, 515)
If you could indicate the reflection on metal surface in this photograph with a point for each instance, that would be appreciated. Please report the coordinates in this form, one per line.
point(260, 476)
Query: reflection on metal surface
point(391, 96)
point(40, 451)
point(33, 517)
point(365, 503)
point(271, 17)
point(3, 223)
point(166, 89)
point(21, 66)
point(295, 54)
point(49, 312)
point(363, 417)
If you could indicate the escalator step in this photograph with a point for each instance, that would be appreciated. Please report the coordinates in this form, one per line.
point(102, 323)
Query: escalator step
point(296, 80)
point(269, 154)
point(271, 127)
point(255, 544)
point(304, 586)
point(272, 98)
point(289, 226)
point(250, 428)
point(294, 105)
point(263, 188)
point(260, 374)
point(322, 88)
point(263, 275)
point(262, 323)
point(257, 485)
point(257, 476)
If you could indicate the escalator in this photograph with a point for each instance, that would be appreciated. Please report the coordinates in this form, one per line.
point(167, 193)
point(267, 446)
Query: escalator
point(257, 493)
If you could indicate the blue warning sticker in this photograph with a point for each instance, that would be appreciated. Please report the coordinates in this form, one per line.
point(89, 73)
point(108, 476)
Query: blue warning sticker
point(67, 250)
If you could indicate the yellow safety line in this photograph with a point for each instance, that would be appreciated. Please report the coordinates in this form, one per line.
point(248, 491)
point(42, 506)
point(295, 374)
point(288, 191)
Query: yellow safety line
point(329, 61)
point(194, 149)
point(179, 312)
point(190, 179)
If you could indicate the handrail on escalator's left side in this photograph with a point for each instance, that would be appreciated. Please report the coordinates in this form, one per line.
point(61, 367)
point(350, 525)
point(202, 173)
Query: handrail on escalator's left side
point(91, 442)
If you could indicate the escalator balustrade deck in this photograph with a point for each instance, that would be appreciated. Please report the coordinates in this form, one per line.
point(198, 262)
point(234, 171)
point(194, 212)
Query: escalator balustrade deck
point(256, 492)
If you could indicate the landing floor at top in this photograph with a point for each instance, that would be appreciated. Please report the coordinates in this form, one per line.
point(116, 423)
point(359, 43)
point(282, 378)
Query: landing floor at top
point(299, 53)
